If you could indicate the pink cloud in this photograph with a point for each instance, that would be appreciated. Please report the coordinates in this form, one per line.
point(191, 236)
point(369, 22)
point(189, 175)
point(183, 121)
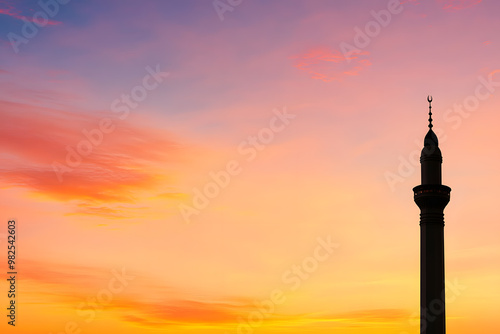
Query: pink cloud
point(15, 13)
point(453, 5)
point(331, 65)
point(413, 2)
point(127, 160)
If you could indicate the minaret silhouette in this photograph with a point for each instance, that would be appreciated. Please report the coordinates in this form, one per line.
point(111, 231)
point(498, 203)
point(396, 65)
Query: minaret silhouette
point(431, 197)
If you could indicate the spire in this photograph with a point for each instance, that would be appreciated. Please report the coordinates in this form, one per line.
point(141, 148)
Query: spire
point(429, 99)
point(431, 138)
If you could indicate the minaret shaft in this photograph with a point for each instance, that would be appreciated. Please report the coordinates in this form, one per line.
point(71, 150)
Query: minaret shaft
point(432, 286)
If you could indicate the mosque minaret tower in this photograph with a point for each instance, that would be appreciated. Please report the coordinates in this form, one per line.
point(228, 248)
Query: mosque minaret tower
point(431, 197)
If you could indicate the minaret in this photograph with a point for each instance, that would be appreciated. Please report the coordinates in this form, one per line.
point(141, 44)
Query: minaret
point(431, 197)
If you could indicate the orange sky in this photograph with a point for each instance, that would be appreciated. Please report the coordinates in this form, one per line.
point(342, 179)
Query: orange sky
point(245, 166)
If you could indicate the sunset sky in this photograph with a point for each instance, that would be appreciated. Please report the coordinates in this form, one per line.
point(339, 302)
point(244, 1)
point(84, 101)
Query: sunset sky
point(245, 166)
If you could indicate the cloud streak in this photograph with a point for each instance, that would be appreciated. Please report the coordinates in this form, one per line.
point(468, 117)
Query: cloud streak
point(15, 13)
point(128, 160)
point(331, 65)
point(455, 5)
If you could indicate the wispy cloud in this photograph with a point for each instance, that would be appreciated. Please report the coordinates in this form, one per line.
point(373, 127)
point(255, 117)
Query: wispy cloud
point(35, 137)
point(165, 306)
point(9, 10)
point(331, 65)
point(216, 314)
point(185, 312)
point(453, 5)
